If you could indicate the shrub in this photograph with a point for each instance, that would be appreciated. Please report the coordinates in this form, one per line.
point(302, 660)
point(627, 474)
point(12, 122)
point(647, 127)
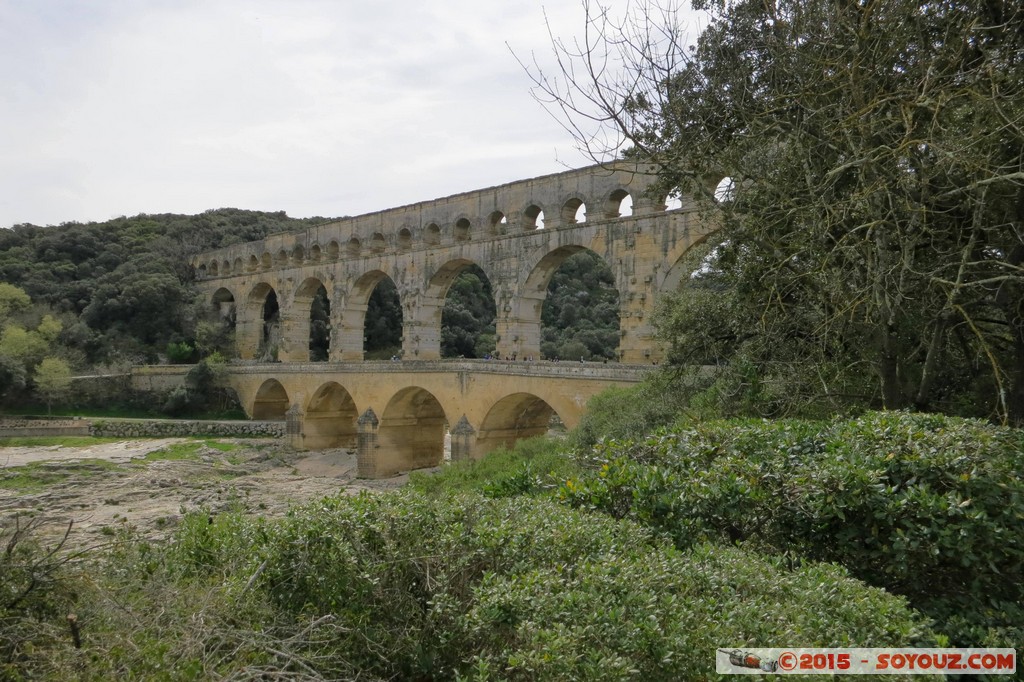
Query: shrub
point(435, 588)
point(180, 352)
point(632, 412)
point(531, 466)
point(406, 586)
point(36, 589)
point(926, 506)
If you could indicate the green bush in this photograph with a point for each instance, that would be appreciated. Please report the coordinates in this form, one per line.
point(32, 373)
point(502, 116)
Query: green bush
point(632, 412)
point(533, 465)
point(926, 506)
point(529, 590)
point(408, 586)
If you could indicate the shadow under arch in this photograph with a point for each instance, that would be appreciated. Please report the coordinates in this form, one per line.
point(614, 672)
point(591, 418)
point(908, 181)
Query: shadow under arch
point(411, 432)
point(511, 419)
point(222, 297)
point(330, 420)
point(271, 402)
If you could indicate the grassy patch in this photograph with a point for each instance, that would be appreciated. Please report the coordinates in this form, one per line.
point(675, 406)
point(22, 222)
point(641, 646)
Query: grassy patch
point(189, 450)
point(177, 451)
point(37, 476)
point(218, 445)
point(50, 441)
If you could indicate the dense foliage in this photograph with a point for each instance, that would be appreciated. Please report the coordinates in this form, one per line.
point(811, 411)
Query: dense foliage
point(404, 586)
point(124, 287)
point(468, 317)
point(872, 229)
point(580, 317)
point(383, 323)
point(926, 506)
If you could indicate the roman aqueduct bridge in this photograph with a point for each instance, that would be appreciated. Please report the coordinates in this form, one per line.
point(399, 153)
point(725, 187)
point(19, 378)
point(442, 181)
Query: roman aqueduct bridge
point(518, 234)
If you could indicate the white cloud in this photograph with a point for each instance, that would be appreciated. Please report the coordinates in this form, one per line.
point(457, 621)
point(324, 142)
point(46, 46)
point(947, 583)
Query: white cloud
point(309, 106)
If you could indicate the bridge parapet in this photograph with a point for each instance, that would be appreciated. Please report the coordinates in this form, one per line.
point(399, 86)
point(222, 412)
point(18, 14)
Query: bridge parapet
point(567, 369)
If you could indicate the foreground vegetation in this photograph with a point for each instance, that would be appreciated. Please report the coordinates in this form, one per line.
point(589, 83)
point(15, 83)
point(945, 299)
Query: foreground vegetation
point(631, 559)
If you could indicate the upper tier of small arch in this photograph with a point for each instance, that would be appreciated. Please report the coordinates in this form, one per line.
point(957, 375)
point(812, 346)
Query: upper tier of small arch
point(595, 193)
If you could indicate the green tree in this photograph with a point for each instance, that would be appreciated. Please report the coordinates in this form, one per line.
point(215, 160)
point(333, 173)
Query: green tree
point(468, 316)
point(383, 323)
point(320, 326)
point(875, 212)
point(52, 379)
point(12, 300)
point(580, 316)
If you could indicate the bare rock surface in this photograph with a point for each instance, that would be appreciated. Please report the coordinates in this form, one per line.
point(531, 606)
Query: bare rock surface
point(104, 486)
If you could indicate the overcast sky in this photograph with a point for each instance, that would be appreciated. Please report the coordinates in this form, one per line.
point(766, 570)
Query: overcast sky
point(314, 107)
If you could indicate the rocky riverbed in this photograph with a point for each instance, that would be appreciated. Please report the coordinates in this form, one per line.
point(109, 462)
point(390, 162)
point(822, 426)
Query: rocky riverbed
point(150, 483)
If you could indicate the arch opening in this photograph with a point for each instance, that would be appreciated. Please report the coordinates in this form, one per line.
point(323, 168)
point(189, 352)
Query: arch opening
point(315, 253)
point(462, 229)
point(574, 211)
point(498, 222)
point(432, 235)
point(534, 218)
point(271, 402)
point(216, 333)
point(264, 299)
point(469, 315)
point(330, 420)
point(319, 324)
point(405, 239)
point(514, 418)
point(333, 250)
point(411, 432)
point(266, 260)
point(298, 254)
point(352, 248)
point(282, 258)
point(674, 200)
point(382, 326)
point(619, 205)
point(214, 269)
point(237, 267)
point(725, 190)
point(570, 309)
point(254, 264)
point(225, 268)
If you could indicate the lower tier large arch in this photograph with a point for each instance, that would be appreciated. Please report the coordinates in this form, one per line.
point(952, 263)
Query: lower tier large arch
point(330, 419)
point(513, 418)
point(271, 401)
point(411, 432)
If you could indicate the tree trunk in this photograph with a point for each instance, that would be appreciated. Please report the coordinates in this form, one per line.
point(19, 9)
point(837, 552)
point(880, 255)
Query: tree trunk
point(931, 361)
point(888, 370)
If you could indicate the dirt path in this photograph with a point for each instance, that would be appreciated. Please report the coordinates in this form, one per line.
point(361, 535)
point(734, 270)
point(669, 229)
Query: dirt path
point(107, 485)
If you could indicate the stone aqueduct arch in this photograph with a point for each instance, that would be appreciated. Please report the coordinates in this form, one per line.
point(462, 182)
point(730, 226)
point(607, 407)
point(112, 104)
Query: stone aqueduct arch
point(422, 248)
point(403, 408)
